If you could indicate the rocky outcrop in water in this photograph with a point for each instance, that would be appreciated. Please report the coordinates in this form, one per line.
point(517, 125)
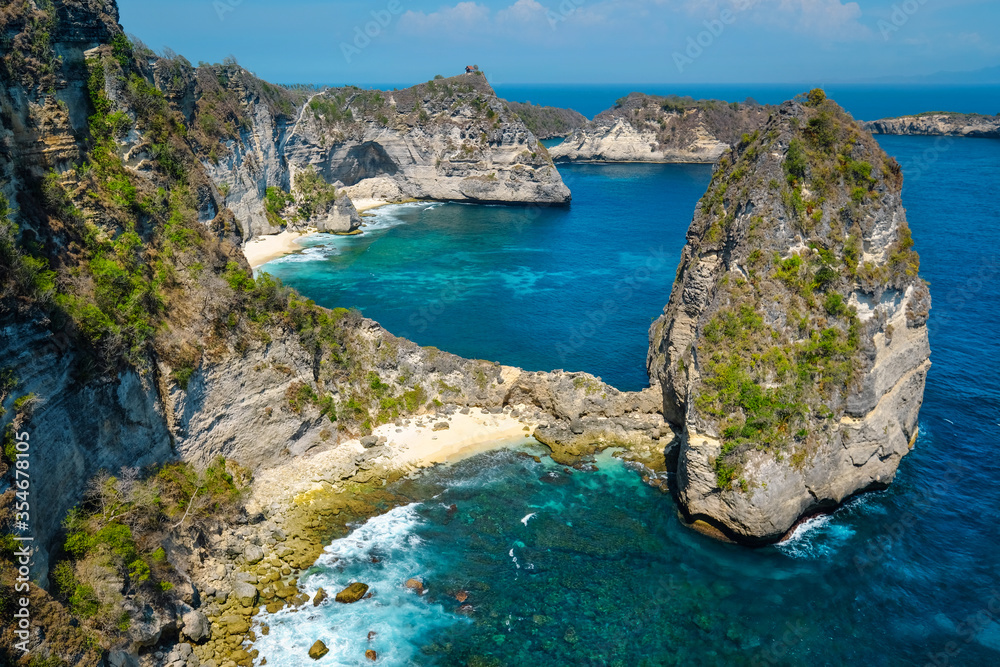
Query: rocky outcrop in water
point(648, 128)
point(793, 352)
point(938, 124)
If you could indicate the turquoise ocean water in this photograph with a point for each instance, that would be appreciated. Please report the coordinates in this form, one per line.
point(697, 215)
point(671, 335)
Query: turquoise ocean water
point(592, 568)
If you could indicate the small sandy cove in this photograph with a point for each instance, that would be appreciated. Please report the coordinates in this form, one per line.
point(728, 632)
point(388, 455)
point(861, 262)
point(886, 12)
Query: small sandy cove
point(411, 446)
point(368, 204)
point(263, 249)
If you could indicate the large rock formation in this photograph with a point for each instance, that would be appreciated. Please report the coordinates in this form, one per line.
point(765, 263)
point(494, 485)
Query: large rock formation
point(793, 352)
point(938, 124)
point(447, 139)
point(648, 128)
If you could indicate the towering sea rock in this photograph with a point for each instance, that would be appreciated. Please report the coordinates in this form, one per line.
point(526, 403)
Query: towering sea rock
point(447, 139)
point(793, 352)
point(648, 128)
point(938, 124)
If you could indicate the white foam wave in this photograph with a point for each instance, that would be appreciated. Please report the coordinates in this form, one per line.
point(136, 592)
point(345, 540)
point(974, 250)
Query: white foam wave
point(818, 537)
point(384, 553)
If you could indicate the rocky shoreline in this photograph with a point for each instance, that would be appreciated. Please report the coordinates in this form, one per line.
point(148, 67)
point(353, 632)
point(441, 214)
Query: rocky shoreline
point(295, 509)
point(938, 125)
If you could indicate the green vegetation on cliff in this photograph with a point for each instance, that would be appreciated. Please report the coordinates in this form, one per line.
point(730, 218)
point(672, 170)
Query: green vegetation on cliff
point(783, 350)
point(547, 122)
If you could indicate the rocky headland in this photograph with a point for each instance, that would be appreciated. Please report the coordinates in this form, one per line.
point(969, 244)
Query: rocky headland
point(941, 124)
point(649, 128)
point(794, 349)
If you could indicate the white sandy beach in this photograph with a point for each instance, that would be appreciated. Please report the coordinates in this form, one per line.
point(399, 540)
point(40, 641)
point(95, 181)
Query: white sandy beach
point(412, 446)
point(265, 248)
point(368, 204)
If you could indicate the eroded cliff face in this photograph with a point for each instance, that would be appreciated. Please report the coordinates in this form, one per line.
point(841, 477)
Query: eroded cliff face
point(938, 124)
point(646, 128)
point(794, 349)
point(448, 139)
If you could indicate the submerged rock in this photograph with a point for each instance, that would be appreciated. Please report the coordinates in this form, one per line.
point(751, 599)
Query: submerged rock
point(352, 593)
point(793, 352)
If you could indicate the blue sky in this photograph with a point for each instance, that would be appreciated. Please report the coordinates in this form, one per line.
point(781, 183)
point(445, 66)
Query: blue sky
point(577, 41)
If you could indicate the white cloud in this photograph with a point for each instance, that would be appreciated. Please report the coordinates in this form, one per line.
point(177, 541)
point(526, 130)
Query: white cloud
point(461, 17)
point(826, 18)
point(522, 11)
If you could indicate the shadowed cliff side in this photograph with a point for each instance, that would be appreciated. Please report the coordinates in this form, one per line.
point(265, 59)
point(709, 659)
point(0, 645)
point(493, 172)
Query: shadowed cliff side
point(794, 349)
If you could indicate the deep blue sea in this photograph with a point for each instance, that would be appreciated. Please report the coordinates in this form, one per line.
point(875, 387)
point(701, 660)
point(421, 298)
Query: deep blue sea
point(593, 568)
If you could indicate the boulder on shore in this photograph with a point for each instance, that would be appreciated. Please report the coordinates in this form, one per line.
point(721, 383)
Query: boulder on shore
point(320, 596)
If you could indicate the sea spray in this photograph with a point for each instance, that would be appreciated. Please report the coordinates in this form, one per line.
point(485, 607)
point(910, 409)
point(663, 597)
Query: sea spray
point(383, 553)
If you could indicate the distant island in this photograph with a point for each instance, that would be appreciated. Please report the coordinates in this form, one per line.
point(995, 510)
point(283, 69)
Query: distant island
point(938, 123)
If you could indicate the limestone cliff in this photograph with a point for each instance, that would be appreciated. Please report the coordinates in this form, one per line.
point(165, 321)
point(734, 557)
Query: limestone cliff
point(131, 330)
point(648, 128)
point(938, 124)
point(794, 349)
point(447, 139)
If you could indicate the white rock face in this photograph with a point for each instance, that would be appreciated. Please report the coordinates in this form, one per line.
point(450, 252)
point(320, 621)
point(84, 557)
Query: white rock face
point(76, 430)
point(453, 140)
point(622, 142)
point(645, 128)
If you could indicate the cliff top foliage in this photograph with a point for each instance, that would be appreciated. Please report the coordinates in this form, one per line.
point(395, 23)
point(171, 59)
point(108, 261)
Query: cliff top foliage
point(782, 348)
point(547, 122)
point(675, 119)
point(26, 39)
